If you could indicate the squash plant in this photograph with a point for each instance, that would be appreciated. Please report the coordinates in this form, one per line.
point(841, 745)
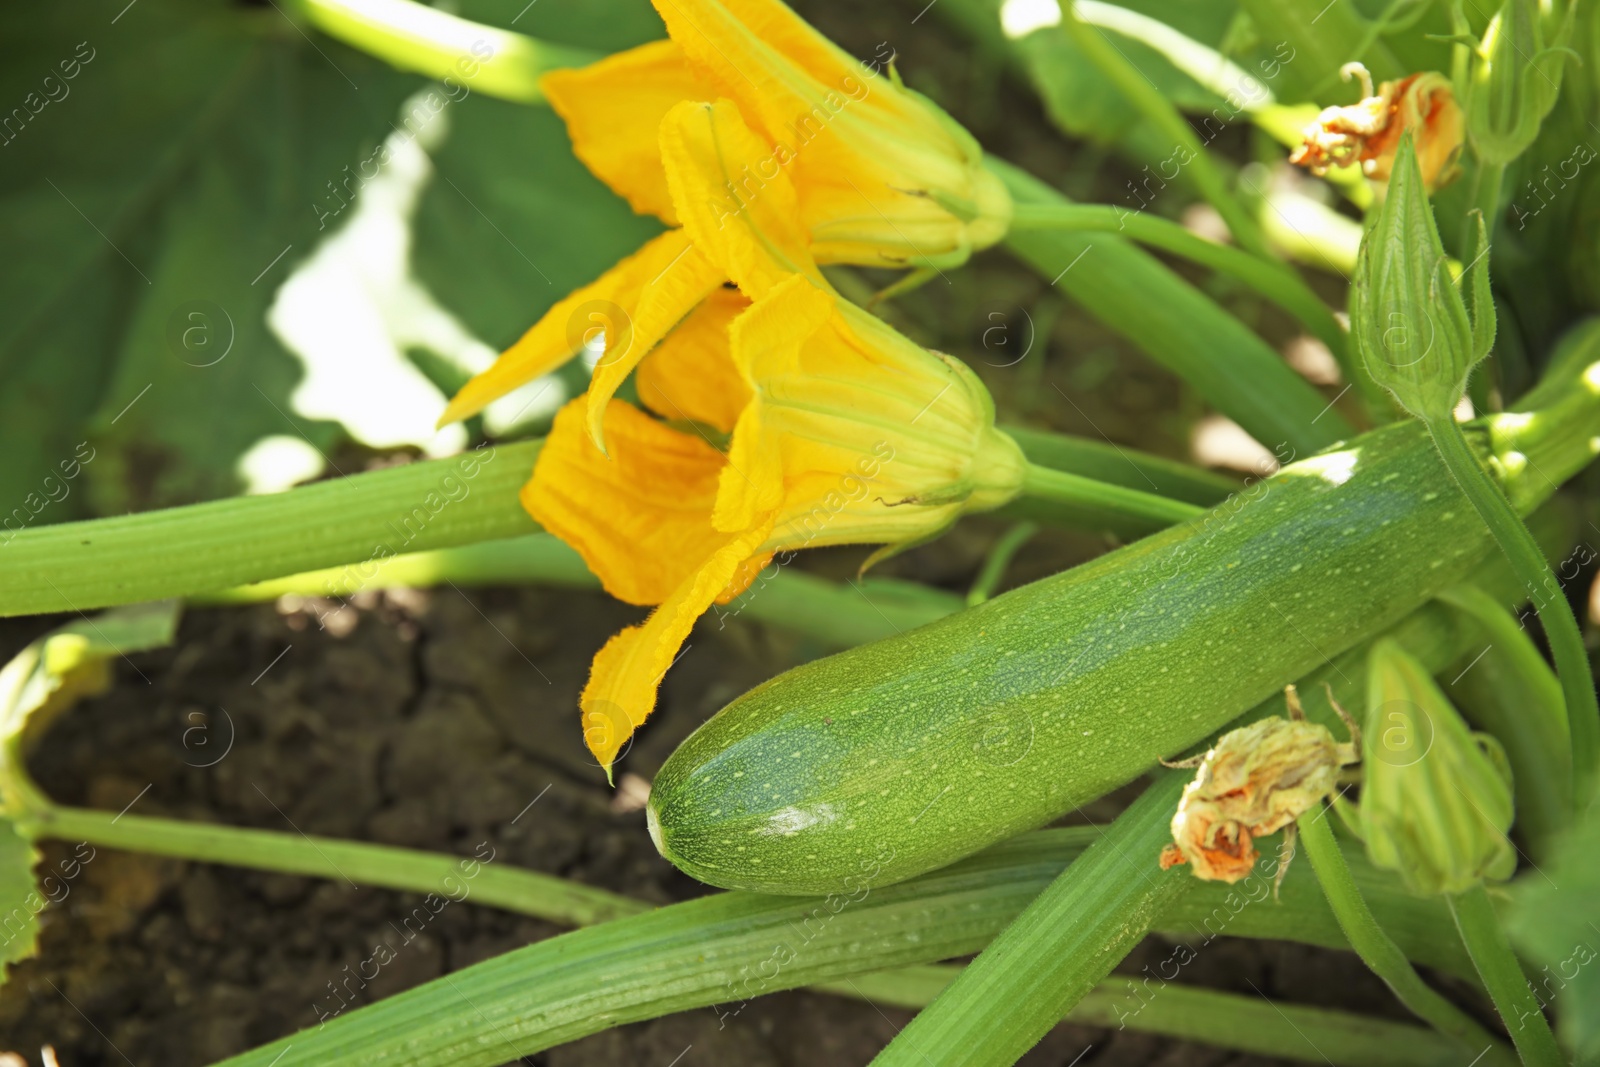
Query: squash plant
point(877, 813)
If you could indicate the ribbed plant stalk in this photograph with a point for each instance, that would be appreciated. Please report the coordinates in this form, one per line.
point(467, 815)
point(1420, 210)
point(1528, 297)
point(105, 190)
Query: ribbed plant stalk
point(722, 950)
point(834, 614)
point(491, 882)
point(1276, 281)
point(1539, 581)
point(1246, 1022)
point(1130, 509)
point(1379, 952)
point(355, 528)
point(1503, 977)
point(1057, 950)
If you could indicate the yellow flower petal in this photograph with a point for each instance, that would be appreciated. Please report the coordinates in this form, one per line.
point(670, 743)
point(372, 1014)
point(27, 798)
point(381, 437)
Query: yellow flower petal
point(641, 520)
point(690, 375)
point(742, 216)
point(633, 304)
point(627, 672)
point(854, 434)
point(766, 341)
point(613, 109)
point(882, 175)
point(762, 55)
point(659, 304)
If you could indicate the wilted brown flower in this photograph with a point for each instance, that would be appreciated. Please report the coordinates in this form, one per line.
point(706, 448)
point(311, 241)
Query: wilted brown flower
point(1255, 781)
point(1369, 132)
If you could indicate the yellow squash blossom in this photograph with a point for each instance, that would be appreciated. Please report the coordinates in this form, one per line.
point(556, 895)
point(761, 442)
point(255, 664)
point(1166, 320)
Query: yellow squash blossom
point(788, 418)
point(878, 175)
point(1369, 132)
point(839, 431)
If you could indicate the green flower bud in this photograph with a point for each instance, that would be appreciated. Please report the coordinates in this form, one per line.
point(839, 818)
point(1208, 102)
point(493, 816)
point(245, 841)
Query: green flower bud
point(1435, 797)
point(1407, 315)
point(1513, 79)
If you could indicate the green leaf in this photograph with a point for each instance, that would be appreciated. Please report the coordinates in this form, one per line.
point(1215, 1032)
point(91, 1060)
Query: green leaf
point(63, 665)
point(20, 899)
point(601, 25)
point(1552, 921)
point(1505, 686)
point(1078, 97)
point(1083, 102)
point(1322, 38)
point(512, 222)
point(186, 152)
point(38, 684)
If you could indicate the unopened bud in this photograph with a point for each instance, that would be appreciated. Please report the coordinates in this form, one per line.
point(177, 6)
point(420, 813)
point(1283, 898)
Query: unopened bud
point(1407, 315)
point(1436, 797)
point(1513, 80)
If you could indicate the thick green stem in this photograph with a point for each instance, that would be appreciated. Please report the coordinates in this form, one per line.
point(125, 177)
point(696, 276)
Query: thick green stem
point(1057, 950)
point(351, 862)
point(1122, 465)
point(436, 44)
point(1276, 281)
point(355, 522)
point(1084, 501)
point(835, 614)
point(1502, 976)
point(1245, 1022)
point(357, 529)
point(1139, 90)
point(1379, 952)
point(1531, 567)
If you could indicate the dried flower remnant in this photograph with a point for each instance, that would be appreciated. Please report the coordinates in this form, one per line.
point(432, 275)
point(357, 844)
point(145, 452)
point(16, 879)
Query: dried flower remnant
point(1368, 132)
point(1255, 781)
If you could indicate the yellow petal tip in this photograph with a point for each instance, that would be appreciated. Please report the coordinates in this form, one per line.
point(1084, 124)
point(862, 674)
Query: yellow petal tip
point(595, 423)
point(454, 411)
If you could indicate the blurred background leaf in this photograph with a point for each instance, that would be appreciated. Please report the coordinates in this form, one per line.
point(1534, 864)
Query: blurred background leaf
point(156, 200)
point(20, 899)
point(176, 167)
point(1553, 923)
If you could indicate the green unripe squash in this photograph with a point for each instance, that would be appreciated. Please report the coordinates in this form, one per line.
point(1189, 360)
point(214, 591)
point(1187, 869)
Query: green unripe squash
point(895, 758)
